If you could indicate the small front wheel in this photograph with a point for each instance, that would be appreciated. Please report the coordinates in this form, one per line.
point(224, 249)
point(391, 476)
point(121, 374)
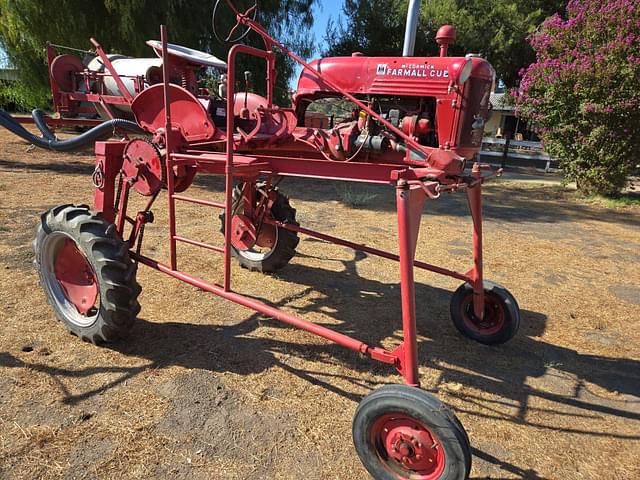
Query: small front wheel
point(501, 319)
point(402, 432)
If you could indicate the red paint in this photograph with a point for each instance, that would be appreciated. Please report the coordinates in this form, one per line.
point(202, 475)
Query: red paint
point(407, 448)
point(187, 113)
point(493, 317)
point(73, 271)
point(243, 232)
point(445, 36)
point(474, 198)
point(143, 167)
point(109, 158)
point(263, 139)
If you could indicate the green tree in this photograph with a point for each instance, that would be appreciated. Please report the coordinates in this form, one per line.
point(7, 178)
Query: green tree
point(497, 29)
point(124, 25)
point(583, 91)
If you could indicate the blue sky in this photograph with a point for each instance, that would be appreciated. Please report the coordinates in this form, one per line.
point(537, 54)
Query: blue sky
point(322, 12)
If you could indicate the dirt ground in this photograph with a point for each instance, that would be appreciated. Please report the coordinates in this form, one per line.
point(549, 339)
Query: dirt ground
point(205, 389)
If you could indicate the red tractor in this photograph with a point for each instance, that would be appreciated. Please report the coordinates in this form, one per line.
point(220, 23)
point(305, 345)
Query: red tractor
point(416, 126)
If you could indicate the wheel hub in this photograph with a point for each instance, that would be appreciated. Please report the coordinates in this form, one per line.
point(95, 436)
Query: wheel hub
point(76, 277)
point(411, 446)
point(493, 318)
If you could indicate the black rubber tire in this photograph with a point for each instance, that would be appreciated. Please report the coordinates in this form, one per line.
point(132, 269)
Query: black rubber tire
point(428, 410)
point(284, 249)
point(108, 256)
point(499, 297)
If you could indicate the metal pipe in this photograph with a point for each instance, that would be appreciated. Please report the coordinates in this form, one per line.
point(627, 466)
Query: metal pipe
point(168, 142)
point(413, 14)
point(367, 249)
point(474, 198)
point(336, 337)
point(406, 242)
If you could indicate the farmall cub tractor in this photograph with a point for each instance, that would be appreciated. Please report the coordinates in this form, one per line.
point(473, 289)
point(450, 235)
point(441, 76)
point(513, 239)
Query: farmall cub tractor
point(416, 125)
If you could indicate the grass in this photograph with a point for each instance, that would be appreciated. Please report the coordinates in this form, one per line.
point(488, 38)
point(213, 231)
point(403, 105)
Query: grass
point(355, 196)
point(625, 200)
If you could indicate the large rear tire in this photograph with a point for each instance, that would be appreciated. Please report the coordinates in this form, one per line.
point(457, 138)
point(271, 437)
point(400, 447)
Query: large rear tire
point(86, 273)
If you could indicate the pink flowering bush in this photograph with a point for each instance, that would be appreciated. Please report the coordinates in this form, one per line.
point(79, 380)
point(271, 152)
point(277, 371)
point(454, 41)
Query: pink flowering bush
point(583, 92)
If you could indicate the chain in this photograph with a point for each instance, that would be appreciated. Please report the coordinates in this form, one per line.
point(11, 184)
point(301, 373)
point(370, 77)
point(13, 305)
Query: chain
point(118, 192)
point(140, 237)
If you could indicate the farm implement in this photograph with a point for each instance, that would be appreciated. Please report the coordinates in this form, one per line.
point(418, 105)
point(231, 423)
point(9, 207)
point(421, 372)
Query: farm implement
point(415, 124)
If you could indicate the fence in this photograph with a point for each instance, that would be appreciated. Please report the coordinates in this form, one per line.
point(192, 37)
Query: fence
point(516, 153)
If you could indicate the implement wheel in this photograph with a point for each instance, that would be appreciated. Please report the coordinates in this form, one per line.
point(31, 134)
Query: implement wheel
point(279, 245)
point(86, 273)
point(402, 432)
point(501, 314)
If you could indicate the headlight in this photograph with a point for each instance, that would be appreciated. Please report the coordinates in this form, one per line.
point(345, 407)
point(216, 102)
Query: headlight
point(465, 72)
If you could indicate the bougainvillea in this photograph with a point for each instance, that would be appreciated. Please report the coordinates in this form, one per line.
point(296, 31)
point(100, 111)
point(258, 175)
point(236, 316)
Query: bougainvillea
point(583, 92)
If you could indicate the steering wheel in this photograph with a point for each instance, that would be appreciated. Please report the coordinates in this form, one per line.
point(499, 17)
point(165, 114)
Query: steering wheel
point(223, 17)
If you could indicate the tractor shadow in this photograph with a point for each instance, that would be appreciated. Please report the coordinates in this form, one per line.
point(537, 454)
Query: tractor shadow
point(370, 310)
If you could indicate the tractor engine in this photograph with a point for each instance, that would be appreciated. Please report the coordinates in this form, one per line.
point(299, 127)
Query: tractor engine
point(439, 102)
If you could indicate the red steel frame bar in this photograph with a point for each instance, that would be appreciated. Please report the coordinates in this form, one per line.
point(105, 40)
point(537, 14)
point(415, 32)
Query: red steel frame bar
point(107, 63)
point(168, 144)
point(199, 244)
point(474, 198)
point(199, 201)
point(376, 353)
point(407, 244)
point(365, 248)
point(231, 71)
point(409, 206)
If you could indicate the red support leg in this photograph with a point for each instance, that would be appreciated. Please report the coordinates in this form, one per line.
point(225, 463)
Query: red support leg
point(409, 203)
point(108, 165)
point(474, 198)
point(168, 134)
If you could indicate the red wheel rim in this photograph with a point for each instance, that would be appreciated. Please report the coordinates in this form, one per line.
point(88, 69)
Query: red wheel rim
point(407, 447)
point(494, 317)
point(76, 277)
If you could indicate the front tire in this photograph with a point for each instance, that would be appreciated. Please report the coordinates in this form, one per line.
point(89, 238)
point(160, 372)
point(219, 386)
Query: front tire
point(86, 273)
point(501, 319)
point(402, 432)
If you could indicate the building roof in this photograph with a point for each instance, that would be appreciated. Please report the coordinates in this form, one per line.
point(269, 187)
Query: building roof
point(501, 102)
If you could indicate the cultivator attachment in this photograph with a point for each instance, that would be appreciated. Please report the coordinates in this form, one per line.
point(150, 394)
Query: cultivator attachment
point(413, 123)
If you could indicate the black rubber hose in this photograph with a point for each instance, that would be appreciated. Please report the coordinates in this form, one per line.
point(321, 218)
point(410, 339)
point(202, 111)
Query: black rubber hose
point(41, 123)
point(52, 143)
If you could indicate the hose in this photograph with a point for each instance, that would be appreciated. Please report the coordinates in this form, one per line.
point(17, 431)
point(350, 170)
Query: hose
point(51, 142)
point(41, 123)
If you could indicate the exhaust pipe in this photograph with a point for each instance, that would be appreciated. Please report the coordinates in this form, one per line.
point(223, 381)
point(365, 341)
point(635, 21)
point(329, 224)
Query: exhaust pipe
point(413, 14)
